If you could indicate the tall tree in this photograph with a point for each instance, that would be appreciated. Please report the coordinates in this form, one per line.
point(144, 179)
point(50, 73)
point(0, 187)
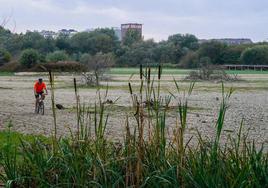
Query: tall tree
point(165, 52)
point(9, 41)
point(213, 50)
point(62, 42)
point(188, 41)
point(139, 53)
point(100, 40)
point(257, 55)
point(131, 37)
point(36, 41)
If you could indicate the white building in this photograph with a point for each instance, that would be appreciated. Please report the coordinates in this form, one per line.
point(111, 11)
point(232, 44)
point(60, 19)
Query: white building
point(48, 34)
point(228, 41)
point(67, 32)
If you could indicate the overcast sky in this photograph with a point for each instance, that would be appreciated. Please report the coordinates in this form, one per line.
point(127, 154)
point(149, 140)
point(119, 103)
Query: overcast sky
point(160, 18)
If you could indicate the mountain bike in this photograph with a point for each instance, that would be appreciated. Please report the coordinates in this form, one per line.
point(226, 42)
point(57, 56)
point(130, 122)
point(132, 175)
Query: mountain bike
point(40, 107)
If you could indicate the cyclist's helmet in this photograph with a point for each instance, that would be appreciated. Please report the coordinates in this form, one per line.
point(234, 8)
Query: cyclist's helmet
point(40, 79)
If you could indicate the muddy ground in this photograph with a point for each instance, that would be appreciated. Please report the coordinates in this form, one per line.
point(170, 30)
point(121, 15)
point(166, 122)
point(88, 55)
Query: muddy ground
point(248, 103)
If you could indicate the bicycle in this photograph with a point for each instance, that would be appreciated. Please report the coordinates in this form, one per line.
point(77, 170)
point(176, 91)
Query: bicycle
point(40, 107)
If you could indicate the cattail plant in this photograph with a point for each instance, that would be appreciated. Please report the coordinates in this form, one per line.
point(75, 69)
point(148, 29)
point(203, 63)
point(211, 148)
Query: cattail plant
point(52, 88)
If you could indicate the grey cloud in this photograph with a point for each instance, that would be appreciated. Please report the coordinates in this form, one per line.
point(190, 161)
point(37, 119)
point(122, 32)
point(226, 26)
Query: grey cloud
point(204, 18)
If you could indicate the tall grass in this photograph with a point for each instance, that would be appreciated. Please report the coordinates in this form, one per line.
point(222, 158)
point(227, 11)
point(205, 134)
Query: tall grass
point(146, 158)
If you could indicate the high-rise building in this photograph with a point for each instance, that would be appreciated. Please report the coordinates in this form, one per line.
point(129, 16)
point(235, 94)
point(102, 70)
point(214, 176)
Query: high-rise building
point(130, 26)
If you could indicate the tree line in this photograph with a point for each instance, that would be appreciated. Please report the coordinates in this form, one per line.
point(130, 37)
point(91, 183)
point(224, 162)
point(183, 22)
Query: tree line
point(179, 50)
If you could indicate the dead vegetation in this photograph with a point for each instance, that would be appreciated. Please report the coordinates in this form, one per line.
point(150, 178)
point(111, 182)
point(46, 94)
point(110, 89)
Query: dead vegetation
point(210, 72)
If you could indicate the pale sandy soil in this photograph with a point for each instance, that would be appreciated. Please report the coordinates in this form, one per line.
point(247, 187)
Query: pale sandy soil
point(249, 102)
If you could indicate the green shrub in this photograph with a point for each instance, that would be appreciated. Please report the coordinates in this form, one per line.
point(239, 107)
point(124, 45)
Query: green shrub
point(4, 56)
point(29, 58)
point(57, 56)
point(85, 58)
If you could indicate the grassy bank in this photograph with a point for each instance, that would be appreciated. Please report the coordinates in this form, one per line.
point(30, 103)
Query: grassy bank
point(147, 157)
point(177, 71)
point(6, 73)
point(154, 71)
point(167, 71)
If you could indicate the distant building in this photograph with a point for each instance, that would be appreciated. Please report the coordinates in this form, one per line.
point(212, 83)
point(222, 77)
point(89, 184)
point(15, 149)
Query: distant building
point(117, 32)
point(233, 41)
point(48, 34)
point(67, 32)
point(130, 26)
point(89, 30)
point(229, 41)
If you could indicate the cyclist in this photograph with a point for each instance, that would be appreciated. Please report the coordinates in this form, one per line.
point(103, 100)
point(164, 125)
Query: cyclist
point(39, 88)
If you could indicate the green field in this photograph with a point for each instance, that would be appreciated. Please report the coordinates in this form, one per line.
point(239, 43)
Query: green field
point(6, 73)
point(173, 71)
point(178, 71)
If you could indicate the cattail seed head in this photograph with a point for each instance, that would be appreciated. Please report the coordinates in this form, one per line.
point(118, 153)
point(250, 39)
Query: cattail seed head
point(75, 87)
point(149, 74)
point(159, 72)
point(130, 88)
point(140, 71)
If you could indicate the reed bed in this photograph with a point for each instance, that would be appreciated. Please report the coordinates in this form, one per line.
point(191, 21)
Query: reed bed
point(146, 158)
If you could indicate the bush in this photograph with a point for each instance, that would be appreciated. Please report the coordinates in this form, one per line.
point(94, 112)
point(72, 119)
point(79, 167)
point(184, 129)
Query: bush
point(29, 58)
point(97, 65)
point(257, 55)
point(208, 71)
point(85, 58)
point(4, 56)
point(11, 66)
point(57, 56)
point(61, 66)
point(190, 60)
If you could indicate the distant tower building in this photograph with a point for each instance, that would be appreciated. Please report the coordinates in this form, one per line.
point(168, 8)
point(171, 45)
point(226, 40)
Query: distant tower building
point(130, 26)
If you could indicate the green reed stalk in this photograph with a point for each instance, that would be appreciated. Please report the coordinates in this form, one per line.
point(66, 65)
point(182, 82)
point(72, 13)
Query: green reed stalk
point(52, 87)
point(77, 109)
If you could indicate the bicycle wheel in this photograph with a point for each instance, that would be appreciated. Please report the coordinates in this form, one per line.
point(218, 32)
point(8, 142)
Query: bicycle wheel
point(41, 108)
point(36, 109)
